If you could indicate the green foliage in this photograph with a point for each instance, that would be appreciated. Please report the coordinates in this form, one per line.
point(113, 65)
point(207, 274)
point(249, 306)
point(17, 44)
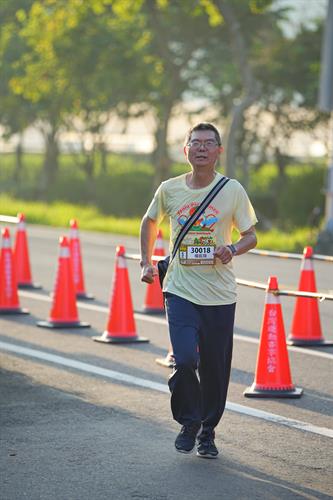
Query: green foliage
point(74, 64)
point(288, 201)
point(292, 66)
point(58, 214)
point(283, 241)
point(126, 187)
point(301, 195)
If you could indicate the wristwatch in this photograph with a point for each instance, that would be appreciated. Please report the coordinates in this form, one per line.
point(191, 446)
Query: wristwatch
point(233, 249)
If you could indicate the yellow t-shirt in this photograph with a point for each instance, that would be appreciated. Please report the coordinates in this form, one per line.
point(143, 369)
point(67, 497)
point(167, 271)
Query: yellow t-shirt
point(189, 276)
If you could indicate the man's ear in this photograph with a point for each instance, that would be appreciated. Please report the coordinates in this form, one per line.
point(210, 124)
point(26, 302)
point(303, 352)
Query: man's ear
point(221, 148)
point(185, 151)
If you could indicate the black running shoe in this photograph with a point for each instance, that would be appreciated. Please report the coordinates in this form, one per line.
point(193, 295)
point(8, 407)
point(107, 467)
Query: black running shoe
point(185, 441)
point(206, 446)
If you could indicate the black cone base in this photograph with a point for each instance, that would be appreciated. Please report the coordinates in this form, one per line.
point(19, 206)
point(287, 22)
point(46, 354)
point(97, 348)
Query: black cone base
point(84, 296)
point(29, 286)
point(156, 312)
point(309, 343)
point(56, 324)
point(252, 392)
point(109, 339)
point(17, 310)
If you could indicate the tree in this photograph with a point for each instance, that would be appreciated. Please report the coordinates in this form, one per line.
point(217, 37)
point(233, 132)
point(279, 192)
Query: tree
point(38, 80)
point(177, 34)
point(244, 23)
point(104, 74)
point(16, 113)
point(288, 69)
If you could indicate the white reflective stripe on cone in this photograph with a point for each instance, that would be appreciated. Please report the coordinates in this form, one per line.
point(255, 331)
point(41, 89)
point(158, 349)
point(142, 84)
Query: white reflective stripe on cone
point(307, 265)
point(159, 244)
point(21, 226)
point(271, 298)
point(5, 242)
point(64, 252)
point(74, 233)
point(121, 262)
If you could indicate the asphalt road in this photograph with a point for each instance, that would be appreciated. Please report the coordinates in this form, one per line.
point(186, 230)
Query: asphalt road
point(84, 420)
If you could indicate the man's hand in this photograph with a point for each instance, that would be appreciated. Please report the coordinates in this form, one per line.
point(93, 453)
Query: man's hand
point(247, 241)
point(148, 232)
point(148, 272)
point(224, 253)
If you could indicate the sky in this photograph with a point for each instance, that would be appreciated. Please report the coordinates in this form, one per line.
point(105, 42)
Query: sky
point(301, 11)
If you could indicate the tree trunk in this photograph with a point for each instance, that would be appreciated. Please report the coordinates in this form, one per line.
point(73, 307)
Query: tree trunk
point(50, 165)
point(251, 88)
point(18, 162)
point(88, 165)
point(160, 155)
point(104, 158)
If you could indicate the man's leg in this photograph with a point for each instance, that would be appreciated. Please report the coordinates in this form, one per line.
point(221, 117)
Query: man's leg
point(215, 344)
point(183, 322)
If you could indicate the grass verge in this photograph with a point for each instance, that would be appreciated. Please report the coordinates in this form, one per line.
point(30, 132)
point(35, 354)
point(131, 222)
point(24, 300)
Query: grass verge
point(58, 214)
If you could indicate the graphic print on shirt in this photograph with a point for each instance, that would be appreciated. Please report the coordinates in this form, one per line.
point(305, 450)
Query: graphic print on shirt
point(199, 244)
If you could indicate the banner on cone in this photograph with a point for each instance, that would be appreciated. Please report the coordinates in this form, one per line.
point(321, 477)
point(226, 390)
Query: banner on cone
point(121, 326)
point(9, 299)
point(272, 375)
point(154, 302)
point(63, 312)
point(306, 326)
point(76, 261)
point(21, 256)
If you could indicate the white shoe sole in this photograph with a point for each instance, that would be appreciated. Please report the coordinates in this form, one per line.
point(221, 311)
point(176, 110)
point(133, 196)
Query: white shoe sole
point(184, 451)
point(206, 456)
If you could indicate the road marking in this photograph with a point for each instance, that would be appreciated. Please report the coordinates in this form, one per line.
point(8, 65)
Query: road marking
point(163, 321)
point(149, 384)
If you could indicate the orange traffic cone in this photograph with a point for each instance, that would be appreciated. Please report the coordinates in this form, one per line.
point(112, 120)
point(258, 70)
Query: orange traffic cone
point(76, 259)
point(9, 300)
point(306, 326)
point(154, 303)
point(121, 325)
point(272, 377)
point(63, 313)
point(21, 256)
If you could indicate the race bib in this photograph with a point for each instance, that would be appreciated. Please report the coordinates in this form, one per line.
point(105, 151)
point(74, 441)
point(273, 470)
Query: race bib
point(197, 255)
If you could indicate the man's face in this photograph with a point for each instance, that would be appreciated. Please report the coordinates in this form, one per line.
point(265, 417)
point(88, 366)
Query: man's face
point(203, 149)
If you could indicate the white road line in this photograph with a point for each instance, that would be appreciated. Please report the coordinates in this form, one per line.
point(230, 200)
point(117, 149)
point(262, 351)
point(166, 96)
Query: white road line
point(148, 384)
point(163, 321)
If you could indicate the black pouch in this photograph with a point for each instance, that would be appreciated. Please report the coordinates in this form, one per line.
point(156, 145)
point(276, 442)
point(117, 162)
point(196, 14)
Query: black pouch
point(162, 266)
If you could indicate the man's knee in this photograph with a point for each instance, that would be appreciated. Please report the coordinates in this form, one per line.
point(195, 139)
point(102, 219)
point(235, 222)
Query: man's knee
point(186, 363)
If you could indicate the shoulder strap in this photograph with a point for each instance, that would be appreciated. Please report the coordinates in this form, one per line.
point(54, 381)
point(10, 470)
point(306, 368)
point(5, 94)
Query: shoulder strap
point(199, 210)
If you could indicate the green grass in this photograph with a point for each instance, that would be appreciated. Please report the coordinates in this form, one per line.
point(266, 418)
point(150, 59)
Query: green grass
point(58, 214)
point(280, 241)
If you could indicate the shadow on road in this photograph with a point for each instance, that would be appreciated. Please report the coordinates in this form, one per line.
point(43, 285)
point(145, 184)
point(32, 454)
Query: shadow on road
point(56, 445)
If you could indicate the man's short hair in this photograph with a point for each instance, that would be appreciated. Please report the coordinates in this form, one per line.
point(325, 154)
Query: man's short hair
point(203, 126)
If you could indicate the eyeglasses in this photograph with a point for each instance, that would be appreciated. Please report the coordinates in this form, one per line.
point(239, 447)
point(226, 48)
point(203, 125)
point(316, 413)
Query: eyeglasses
point(209, 144)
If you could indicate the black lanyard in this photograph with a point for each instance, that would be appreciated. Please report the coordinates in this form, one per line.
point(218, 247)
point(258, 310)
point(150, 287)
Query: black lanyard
point(199, 210)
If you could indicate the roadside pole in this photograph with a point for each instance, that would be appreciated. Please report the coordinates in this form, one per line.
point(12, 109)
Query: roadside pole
point(325, 239)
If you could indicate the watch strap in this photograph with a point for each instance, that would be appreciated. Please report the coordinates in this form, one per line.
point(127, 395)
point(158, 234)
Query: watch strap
point(232, 248)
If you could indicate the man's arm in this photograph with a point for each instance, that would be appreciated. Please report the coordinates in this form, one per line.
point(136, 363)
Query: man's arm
point(148, 231)
point(247, 241)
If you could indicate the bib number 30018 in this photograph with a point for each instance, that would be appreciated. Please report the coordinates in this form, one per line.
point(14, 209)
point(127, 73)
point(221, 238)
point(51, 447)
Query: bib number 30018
point(196, 255)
